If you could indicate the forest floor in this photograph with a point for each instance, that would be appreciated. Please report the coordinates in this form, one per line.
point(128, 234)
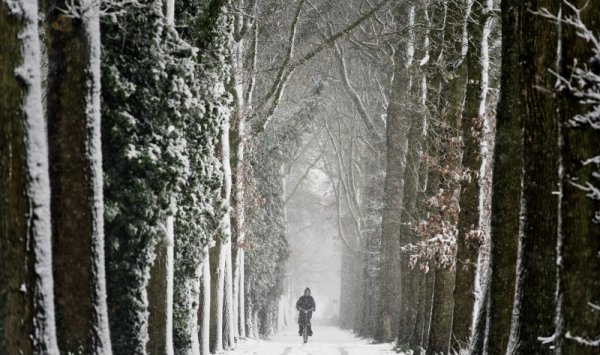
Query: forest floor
point(327, 340)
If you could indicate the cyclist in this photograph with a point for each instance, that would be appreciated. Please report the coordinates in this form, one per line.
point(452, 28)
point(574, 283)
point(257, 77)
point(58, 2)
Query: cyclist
point(307, 303)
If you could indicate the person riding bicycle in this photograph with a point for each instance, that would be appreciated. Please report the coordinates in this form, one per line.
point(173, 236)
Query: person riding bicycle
point(306, 303)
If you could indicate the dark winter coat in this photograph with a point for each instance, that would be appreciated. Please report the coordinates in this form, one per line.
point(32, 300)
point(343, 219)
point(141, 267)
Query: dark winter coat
point(306, 303)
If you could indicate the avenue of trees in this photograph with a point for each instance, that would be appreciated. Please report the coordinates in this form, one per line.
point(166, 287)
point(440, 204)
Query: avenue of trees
point(154, 154)
point(489, 234)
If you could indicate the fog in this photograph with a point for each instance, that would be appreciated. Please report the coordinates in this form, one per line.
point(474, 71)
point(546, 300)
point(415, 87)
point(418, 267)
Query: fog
point(315, 248)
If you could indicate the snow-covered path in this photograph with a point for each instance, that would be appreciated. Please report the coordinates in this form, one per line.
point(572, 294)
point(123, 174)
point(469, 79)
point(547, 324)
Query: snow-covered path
point(327, 340)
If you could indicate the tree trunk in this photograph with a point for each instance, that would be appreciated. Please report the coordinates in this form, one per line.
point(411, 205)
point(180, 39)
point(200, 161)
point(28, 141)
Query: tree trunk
point(412, 175)
point(345, 295)
point(73, 113)
point(160, 296)
point(238, 57)
point(533, 312)
point(398, 125)
point(506, 187)
point(217, 284)
point(476, 346)
point(157, 299)
point(441, 312)
point(222, 294)
point(428, 305)
point(468, 237)
point(410, 277)
point(228, 322)
point(26, 282)
point(579, 233)
point(204, 308)
point(242, 294)
point(416, 338)
point(225, 248)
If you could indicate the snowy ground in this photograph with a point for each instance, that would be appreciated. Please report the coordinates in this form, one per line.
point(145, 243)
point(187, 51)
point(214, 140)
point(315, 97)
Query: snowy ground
point(326, 340)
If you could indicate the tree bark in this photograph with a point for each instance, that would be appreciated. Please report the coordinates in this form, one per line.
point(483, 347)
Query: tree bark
point(468, 237)
point(398, 125)
point(476, 346)
point(410, 277)
point(415, 110)
point(238, 59)
point(416, 338)
point(428, 305)
point(160, 296)
point(506, 187)
point(73, 114)
point(533, 312)
point(228, 322)
point(222, 294)
point(217, 283)
point(26, 282)
point(579, 233)
point(441, 312)
point(204, 308)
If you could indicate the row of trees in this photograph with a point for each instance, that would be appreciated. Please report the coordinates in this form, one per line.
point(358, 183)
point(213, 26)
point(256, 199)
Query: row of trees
point(158, 223)
point(117, 187)
point(479, 251)
point(142, 170)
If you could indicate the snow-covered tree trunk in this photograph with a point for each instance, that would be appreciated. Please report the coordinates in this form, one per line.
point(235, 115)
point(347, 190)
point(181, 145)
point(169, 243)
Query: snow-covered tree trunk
point(506, 187)
point(450, 112)
point(578, 303)
point(170, 12)
point(238, 54)
point(468, 230)
point(220, 257)
point(73, 113)
point(217, 283)
point(414, 107)
point(398, 124)
point(255, 325)
point(160, 296)
point(244, 81)
point(194, 306)
point(228, 321)
point(204, 308)
point(242, 295)
point(533, 314)
point(26, 282)
point(225, 247)
point(477, 338)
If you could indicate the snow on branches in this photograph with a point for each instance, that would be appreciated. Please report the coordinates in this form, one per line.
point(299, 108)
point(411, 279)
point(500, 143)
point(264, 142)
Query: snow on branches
point(584, 84)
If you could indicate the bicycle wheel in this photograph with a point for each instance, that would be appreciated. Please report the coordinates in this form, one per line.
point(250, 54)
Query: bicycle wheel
point(305, 333)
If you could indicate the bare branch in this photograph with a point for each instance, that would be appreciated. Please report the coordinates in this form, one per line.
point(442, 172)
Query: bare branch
point(274, 95)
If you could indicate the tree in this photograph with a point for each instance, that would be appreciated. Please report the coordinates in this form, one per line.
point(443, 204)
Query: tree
point(415, 108)
point(441, 314)
point(578, 319)
point(267, 244)
point(397, 128)
point(73, 114)
point(160, 295)
point(469, 232)
point(506, 186)
point(144, 157)
point(27, 322)
point(533, 315)
point(203, 213)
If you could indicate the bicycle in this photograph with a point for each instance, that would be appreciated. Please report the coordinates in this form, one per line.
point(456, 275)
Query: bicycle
point(305, 324)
